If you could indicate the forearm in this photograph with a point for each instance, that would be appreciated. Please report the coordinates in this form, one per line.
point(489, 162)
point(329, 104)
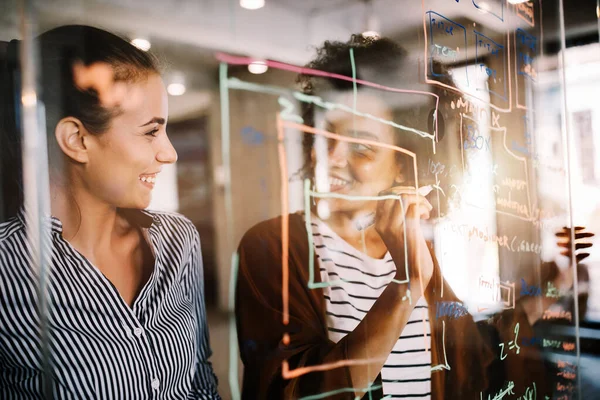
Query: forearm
point(369, 345)
point(375, 336)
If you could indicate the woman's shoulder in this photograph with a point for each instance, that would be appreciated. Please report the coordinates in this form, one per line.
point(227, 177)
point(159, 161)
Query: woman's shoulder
point(272, 230)
point(8, 229)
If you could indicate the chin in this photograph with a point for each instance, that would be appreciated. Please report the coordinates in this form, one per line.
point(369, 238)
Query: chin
point(141, 203)
point(337, 205)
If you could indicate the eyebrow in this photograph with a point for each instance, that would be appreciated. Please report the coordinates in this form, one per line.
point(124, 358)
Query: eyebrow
point(364, 134)
point(158, 120)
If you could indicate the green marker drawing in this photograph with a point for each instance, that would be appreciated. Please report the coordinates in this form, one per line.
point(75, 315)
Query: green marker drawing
point(235, 83)
point(234, 385)
point(338, 391)
point(307, 217)
point(226, 159)
point(445, 366)
point(288, 111)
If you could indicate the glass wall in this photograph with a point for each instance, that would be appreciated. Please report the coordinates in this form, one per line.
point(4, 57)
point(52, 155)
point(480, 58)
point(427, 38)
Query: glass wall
point(332, 154)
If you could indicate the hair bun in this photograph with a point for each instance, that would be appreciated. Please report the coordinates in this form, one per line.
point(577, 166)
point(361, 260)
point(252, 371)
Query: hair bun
point(13, 51)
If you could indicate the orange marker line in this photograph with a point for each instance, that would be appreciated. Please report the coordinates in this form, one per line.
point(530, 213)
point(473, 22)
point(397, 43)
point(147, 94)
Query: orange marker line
point(284, 223)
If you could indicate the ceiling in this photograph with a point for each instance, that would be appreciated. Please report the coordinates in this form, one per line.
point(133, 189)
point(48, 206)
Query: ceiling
point(187, 33)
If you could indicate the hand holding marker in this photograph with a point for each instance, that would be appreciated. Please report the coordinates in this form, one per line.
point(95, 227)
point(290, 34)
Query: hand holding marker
point(368, 220)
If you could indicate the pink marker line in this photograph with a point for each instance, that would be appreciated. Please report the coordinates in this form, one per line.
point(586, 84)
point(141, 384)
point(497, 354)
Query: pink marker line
point(236, 60)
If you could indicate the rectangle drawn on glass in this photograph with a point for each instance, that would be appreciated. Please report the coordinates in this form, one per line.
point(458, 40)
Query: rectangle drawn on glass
point(485, 46)
point(493, 292)
point(526, 51)
point(448, 42)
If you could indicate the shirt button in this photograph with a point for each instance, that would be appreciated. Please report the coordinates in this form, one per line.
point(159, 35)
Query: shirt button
point(137, 332)
point(155, 383)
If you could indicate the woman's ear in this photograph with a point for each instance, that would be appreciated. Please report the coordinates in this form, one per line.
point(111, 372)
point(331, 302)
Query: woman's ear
point(70, 136)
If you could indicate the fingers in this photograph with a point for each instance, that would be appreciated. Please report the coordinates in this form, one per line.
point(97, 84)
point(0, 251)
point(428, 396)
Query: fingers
point(392, 214)
point(578, 235)
point(579, 257)
point(417, 207)
point(389, 219)
point(410, 199)
point(578, 246)
point(565, 244)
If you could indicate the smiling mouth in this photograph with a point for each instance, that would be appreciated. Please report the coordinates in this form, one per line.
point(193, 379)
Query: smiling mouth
point(148, 180)
point(337, 184)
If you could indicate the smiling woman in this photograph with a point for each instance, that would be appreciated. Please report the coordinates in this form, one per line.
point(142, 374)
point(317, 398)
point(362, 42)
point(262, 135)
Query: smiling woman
point(126, 284)
point(367, 312)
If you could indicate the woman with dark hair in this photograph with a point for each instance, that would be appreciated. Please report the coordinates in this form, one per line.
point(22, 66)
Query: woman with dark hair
point(362, 331)
point(125, 286)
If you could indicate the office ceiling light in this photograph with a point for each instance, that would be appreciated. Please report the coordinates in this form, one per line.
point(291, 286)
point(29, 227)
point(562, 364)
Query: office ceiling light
point(252, 4)
point(258, 67)
point(176, 85)
point(176, 89)
point(141, 43)
point(371, 28)
point(517, 1)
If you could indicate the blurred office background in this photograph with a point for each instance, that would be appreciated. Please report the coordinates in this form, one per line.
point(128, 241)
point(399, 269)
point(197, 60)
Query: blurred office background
point(187, 34)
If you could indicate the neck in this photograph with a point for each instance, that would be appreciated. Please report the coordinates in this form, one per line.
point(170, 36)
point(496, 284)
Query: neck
point(88, 223)
point(345, 223)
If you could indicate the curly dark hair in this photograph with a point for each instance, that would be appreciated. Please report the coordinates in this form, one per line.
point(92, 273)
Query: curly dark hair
point(377, 57)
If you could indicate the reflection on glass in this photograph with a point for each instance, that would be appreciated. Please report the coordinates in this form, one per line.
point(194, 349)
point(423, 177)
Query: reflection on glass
point(409, 213)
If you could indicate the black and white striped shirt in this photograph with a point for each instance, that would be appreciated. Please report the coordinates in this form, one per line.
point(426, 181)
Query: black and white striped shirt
point(355, 282)
point(100, 347)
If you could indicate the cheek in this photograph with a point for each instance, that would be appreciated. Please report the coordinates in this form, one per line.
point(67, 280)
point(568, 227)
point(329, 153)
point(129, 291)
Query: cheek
point(380, 169)
point(117, 172)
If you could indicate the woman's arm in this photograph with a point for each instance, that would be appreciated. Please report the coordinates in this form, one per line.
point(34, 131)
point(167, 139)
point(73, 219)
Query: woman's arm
point(362, 353)
point(375, 336)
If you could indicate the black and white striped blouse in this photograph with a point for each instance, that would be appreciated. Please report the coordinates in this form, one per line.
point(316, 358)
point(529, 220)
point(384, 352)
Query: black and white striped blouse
point(355, 282)
point(100, 347)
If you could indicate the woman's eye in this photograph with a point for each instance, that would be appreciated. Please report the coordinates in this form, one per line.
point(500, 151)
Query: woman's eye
point(361, 148)
point(152, 133)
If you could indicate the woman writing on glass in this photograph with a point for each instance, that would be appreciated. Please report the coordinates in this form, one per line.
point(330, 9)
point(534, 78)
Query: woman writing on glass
point(367, 326)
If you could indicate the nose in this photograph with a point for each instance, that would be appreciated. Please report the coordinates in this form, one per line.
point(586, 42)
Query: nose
point(166, 153)
point(338, 153)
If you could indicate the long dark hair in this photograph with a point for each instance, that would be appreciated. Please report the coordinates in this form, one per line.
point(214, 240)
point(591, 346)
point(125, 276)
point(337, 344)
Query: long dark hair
point(60, 49)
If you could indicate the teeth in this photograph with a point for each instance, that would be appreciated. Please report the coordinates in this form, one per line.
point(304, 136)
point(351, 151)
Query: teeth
point(337, 182)
point(149, 179)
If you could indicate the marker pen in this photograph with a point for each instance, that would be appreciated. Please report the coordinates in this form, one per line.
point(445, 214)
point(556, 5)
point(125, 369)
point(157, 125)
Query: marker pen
point(369, 219)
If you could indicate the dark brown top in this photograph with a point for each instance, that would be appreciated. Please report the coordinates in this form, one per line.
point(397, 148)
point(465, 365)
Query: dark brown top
point(472, 352)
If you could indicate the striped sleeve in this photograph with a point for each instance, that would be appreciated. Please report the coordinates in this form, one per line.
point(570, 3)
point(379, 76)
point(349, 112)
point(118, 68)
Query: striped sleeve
point(204, 385)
